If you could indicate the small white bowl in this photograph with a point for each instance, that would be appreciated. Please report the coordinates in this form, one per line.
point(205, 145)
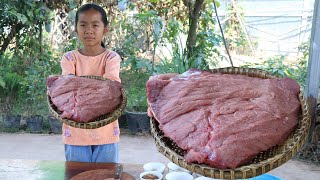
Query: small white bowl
point(156, 173)
point(179, 176)
point(173, 167)
point(185, 170)
point(203, 178)
point(154, 166)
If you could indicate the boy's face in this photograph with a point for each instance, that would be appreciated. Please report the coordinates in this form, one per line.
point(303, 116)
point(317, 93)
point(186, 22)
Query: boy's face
point(90, 28)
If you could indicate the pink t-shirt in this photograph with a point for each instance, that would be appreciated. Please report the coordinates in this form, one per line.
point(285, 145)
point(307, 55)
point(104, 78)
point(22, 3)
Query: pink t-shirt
point(107, 65)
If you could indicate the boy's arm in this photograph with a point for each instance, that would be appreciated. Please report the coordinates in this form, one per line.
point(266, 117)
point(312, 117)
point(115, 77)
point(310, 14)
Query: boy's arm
point(112, 68)
point(67, 64)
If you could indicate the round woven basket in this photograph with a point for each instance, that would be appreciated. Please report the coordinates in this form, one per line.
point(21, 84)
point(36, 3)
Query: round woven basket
point(100, 121)
point(262, 163)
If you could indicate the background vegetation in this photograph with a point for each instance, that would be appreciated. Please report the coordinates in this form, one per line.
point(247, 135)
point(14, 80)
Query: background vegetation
point(152, 37)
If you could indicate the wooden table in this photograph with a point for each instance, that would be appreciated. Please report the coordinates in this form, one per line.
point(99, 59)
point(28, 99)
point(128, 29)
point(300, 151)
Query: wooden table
point(56, 170)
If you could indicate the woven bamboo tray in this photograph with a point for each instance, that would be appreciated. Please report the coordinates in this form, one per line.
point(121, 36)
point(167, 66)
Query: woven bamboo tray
point(262, 163)
point(100, 121)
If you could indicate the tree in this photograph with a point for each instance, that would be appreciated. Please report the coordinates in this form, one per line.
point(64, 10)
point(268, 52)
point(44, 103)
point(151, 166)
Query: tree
point(19, 20)
point(194, 9)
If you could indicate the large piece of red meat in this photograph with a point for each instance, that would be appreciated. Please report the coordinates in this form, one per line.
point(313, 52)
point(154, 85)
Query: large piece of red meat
point(223, 120)
point(83, 99)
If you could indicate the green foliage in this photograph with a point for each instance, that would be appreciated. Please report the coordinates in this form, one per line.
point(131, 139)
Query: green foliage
point(234, 33)
point(206, 51)
point(12, 84)
point(146, 16)
point(277, 65)
point(138, 64)
point(137, 100)
point(173, 30)
point(10, 78)
point(203, 54)
point(128, 34)
point(2, 83)
point(127, 37)
point(10, 62)
point(179, 62)
point(20, 20)
point(164, 8)
point(63, 4)
point(9, 93)
point(134, 82)
point(32, 60)
point(72, 44)
point(166, 22)
point(34, 82)
point(28, 54)
point(274, 65)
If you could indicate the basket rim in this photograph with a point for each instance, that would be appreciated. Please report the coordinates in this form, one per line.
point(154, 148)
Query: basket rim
point(101, 120)
point(289, 148)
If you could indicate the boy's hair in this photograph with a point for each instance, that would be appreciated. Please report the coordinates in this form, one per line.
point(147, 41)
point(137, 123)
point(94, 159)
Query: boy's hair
point(96, 7)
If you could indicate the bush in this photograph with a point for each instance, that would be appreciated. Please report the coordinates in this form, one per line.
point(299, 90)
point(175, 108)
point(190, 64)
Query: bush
point(134, 78)
point(277, 65)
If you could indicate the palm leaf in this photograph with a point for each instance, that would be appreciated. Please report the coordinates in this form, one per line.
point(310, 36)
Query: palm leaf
point(2, 83)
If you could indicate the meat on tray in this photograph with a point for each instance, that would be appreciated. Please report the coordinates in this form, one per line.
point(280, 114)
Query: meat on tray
point(83, 99)
point(223, 120)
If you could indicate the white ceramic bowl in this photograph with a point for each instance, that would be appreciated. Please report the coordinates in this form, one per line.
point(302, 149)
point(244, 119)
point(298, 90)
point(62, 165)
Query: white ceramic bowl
point(156, 173)
point(154, 166)
point(179, 176)
point(203, 178)
point(173, 167)
point(185, 170)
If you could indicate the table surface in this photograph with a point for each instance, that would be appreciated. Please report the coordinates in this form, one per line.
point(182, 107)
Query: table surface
point(56, 170)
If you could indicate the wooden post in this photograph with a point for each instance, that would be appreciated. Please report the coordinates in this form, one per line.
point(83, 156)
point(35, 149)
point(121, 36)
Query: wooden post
point(313, 77)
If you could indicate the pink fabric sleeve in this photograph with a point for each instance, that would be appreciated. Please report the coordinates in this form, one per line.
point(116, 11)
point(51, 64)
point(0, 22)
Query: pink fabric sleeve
point(68, 64)
point(112, 67)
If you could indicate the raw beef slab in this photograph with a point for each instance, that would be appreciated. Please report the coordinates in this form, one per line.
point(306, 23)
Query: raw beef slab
point(223, 120)
point(83, 99)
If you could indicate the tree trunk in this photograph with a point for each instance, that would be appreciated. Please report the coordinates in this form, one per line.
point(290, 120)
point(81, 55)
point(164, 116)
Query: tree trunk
point(7, 41)
point(14, 29)
point(194, 15)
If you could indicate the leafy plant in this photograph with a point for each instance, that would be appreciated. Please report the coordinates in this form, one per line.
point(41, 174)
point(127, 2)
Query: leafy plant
point(20, 20)
point(137, 100)
point(41, 64)
point(234, 32)
point(206, 48)
point(34, 86)
point(72, 44)
point(134, 82)
point(179, 62)
point(34, 83)
point(26, 58)
point(277, 65)
point(9, 92)
point(203, 53)
point(12, 81)
point(2, 83)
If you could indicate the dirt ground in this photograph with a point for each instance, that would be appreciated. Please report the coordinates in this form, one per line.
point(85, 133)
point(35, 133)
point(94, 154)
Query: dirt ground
point(133, 150)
